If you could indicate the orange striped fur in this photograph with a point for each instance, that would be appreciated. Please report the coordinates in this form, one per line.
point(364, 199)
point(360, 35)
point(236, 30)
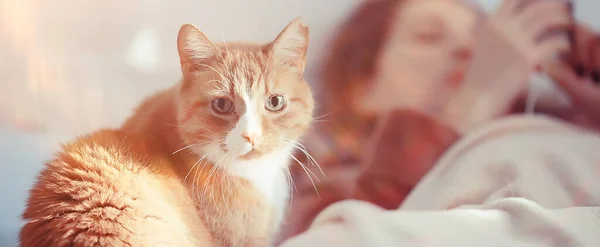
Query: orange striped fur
point(181, 172)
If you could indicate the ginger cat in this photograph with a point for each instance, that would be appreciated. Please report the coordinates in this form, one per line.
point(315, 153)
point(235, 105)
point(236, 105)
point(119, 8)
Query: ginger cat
point(202, 163)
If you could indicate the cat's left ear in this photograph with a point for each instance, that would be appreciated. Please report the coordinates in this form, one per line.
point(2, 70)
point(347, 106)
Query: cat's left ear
point(290, 46)
point(195, 49)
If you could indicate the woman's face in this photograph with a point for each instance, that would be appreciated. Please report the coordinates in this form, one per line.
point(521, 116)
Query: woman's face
point(428, 50)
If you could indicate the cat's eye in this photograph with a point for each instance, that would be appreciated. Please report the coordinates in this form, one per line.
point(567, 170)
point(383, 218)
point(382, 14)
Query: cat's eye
point(222, 105)
point(275, 103)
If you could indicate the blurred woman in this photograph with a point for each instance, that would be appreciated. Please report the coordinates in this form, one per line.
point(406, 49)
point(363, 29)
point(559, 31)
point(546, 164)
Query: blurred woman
point(445, 73)
point(517, 181)
point(431, 42)
point(514, 181)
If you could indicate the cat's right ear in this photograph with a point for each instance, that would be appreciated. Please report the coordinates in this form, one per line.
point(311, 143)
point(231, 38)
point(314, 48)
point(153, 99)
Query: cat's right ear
point(194, 48)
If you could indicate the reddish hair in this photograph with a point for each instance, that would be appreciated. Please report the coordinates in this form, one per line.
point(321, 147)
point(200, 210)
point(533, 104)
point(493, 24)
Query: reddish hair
point(355, 49)
point(347, 69)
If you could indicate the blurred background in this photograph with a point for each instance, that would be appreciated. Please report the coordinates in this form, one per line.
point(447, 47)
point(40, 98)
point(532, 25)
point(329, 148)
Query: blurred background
point(68, 67)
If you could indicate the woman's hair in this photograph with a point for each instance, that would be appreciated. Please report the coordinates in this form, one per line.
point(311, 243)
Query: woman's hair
point(355, 49)
point(345, 72)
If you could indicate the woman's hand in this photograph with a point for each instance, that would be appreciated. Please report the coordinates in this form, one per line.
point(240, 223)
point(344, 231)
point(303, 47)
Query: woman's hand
point(579, 74)
point(509, 46)
point(532, 31)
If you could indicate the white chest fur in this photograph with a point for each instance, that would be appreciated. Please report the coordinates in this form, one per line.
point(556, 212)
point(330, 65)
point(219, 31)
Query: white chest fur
point(269, 176)
point(235, 224)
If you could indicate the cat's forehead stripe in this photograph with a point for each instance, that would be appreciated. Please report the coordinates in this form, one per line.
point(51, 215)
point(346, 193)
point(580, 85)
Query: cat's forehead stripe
point(245, 70)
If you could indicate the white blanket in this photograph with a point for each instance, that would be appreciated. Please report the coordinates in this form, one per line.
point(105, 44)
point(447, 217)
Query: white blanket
point(521, 181)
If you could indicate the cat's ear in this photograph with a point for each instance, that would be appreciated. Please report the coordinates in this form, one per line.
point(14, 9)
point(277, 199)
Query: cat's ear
point(291, 45)
point(194, 48)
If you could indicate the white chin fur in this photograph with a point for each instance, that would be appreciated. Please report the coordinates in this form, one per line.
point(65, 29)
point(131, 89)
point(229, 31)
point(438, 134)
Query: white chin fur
point(230, 161)
point(267, 173)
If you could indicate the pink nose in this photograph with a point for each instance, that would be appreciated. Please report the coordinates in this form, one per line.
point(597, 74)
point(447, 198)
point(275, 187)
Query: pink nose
point(249, 138)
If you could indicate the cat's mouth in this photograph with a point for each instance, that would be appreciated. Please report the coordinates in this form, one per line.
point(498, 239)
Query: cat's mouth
point(253, 154)
point(242, 151)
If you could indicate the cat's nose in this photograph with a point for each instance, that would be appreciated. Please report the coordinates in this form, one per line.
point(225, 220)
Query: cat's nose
point(250, 138)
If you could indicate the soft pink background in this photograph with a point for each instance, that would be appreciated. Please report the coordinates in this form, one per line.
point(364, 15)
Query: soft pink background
point(70, 66)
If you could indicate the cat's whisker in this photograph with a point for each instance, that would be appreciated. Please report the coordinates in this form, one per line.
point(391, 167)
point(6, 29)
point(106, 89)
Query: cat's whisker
point(208, 182)
point(192, 168)
point(212, 173)
point(312, 160)
point(189, 146)
point(226, 48)
point(229, 181)
point(221, 185)
point(206, 162)
point(307, 155)
point(291, 189)
point(216, 71)
point(213, 69)
point(320, 121)
point(307, 174)
point(226, 52)
point(322, 116)
point(217, 84)
point(171, 124)
point(194, 182)
point(188, 173)
point(291, 180)
point(303, 149)
point(306, 168)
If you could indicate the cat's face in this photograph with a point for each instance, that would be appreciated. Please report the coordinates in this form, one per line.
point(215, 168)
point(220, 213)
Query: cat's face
point(242, 101)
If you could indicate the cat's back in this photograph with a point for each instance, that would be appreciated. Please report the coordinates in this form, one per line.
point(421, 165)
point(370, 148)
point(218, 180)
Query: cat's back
point(104, 189)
